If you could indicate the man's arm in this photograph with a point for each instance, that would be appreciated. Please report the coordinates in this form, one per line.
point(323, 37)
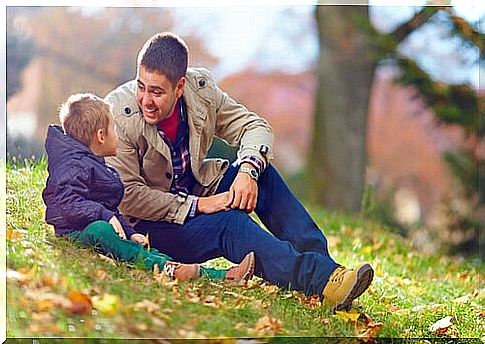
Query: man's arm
point(243, 128)
point(239, 126)
point(140, 200)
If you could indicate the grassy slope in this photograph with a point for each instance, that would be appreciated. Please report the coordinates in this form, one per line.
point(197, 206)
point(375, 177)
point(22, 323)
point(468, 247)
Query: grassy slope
point(411, 290)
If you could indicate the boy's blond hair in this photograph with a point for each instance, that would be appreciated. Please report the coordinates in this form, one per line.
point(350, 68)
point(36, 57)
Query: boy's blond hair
point(82, 115)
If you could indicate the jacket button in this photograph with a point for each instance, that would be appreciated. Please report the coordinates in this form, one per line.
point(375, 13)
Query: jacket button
point(127, 110)
point(168, 175)
point(132, 219)
point(202, 83)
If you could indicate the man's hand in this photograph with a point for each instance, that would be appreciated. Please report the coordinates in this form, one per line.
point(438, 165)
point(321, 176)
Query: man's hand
point(117, 227)
point(215, 203)
point(139, 238)
point(244, 191)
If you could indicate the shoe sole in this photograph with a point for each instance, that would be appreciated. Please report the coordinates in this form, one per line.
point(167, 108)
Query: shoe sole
point(362, 282)
point(249, 272)
point(247, 275)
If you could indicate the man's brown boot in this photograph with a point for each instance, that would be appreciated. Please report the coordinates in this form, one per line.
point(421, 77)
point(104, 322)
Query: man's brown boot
point(242, 273)
point(181, 272)
point(345, 285)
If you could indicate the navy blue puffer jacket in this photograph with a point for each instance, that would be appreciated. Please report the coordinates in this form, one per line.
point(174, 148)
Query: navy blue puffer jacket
point(80, 188)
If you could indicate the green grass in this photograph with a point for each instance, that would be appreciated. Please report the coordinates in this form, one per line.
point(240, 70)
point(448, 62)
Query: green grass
point(411, 291)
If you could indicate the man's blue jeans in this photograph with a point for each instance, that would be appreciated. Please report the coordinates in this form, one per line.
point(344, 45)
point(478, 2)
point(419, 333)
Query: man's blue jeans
point(294, 257)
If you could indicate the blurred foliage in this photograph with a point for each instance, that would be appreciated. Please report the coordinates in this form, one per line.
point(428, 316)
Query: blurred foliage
point(82, 49)
point(452, 104)
point(20, 51)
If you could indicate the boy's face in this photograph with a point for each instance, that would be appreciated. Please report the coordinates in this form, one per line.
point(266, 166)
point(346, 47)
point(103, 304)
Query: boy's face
point(110, 139)
point(156, 95)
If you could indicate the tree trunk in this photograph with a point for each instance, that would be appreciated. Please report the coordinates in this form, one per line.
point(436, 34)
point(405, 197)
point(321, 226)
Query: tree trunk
point(345, 72)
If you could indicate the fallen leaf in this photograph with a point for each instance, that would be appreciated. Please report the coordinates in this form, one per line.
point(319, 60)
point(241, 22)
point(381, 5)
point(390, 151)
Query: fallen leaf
point(346, 230)
point(106, 304)
point(462, 299)
point(267, 326)
point(13, 235)
point(101, 274)
point(270, 289)
point(47, 300)
point(351, 316)
point(434, 306)
point(80, 303)
point(16, 276)
point(393, 308)
point(148, 306)
point(190, 334)
point(371, 330)
point(212, 301)
point(42, 316)
point(107, 259)
point(141, 326)
point(441, 325)
point(239, 326)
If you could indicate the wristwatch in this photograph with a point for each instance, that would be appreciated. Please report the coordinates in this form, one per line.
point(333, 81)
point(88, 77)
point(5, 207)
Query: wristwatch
point(251, 171)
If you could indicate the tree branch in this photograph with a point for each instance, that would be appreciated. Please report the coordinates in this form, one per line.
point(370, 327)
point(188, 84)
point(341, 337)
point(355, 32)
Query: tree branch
point(419, 19)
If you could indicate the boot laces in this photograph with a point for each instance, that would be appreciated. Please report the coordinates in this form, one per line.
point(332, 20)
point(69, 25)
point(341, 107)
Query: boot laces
point(338, 275)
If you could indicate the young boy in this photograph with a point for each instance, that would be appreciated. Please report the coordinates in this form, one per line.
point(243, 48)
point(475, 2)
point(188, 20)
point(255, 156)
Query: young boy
point(82, 193)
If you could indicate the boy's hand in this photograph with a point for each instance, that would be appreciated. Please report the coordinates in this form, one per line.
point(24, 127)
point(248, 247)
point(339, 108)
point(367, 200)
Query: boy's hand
point(117, 227)
point(215, 203)
point(139, 238)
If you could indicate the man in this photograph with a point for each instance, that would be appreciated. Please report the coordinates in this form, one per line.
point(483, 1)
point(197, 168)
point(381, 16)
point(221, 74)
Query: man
point(195, 208)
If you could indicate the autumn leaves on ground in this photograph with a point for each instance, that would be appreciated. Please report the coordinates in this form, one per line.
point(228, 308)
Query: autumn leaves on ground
point(59, 290)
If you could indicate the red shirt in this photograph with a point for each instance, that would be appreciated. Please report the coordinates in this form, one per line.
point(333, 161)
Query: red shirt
point(170, 125)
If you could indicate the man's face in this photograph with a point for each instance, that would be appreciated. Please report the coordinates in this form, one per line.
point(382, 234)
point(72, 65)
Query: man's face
point(156, 95)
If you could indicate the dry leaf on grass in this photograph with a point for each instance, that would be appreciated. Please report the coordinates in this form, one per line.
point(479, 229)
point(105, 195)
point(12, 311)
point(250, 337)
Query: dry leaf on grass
point(106, 304)
point(107, 259)
point(14, 234)
point(267, 326)
point(270, 289)
point(442, 325)
point(147, 306)
point(212, 301)
point(16, 276)
point(371, 330)
point(81, 303)
point(351, 316)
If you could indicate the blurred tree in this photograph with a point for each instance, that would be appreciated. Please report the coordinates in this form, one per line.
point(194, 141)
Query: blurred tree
point(20, 51)
point(345, 72)
point(335, 115)
point(85, 49)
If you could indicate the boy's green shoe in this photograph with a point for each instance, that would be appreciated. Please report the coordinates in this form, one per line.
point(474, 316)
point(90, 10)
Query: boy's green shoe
point(345, 285)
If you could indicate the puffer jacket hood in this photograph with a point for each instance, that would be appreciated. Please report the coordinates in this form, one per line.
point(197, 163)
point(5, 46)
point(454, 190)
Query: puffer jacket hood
point(61, 147)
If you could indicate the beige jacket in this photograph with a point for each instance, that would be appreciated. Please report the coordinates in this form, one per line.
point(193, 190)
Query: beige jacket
point(143, 159)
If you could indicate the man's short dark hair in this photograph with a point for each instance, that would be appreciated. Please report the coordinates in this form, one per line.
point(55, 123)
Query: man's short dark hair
point(165, 53)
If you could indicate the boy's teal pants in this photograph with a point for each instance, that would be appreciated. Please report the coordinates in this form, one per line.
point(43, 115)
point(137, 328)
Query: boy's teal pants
point(101, 235)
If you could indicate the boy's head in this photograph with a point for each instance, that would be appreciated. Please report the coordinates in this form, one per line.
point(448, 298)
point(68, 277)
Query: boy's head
point(88, 119)
point(162, 64)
